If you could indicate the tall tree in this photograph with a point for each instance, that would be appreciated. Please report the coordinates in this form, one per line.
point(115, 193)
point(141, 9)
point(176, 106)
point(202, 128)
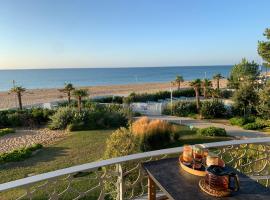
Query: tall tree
point(18, 90)
point(264, 49)
point(217, 77)
point(246, 98)
point(244, 71)
point(264, 101)
point(178, 80)
point(196, 84)
point(67, 90)
point(206, 85)
point(79, 94)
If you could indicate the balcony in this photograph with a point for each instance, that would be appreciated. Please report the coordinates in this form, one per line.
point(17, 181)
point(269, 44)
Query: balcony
point(123, 177)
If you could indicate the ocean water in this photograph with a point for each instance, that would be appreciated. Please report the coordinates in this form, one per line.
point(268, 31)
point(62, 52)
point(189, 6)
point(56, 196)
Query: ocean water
point(55, 78)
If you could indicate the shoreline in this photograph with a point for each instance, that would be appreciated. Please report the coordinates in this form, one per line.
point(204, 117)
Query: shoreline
point(36, 96)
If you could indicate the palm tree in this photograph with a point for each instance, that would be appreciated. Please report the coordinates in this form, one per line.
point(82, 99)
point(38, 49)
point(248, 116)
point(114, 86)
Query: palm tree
point(206, 84)
point(217, 77)
point(79, 94)
point(18, 90)
point(178, 80)
point(67, 90)
point(196, 84)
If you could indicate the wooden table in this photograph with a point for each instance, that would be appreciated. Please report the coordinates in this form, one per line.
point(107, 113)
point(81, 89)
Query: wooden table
point(178, 184)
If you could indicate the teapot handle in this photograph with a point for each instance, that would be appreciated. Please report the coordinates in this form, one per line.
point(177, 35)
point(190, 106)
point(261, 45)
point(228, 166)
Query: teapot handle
point(236, 186)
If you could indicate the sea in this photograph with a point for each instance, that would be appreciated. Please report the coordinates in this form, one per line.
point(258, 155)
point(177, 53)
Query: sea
point(56, 78)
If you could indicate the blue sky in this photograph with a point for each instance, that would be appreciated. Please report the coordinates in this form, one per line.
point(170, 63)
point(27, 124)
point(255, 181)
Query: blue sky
point(122, 33)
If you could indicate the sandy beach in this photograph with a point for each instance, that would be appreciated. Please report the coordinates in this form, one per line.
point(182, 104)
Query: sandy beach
point(48, 95)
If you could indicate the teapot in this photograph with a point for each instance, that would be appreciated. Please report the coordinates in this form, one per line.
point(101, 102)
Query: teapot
point(221, 178)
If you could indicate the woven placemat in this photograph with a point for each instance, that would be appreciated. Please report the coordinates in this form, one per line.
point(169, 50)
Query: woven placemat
point(216, 193)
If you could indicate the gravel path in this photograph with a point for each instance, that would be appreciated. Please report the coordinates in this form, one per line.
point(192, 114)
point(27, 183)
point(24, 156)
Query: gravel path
point(235, 131)
point(27, 137)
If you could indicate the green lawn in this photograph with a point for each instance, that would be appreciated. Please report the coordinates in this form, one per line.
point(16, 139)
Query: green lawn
point(78, 148)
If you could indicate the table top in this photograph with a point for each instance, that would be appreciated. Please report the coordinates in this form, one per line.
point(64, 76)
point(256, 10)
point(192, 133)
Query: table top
point(179, 184)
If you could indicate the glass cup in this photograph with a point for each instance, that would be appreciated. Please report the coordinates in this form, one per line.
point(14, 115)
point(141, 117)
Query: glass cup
point(187, 154)
point(212, 159)
point(198, 155)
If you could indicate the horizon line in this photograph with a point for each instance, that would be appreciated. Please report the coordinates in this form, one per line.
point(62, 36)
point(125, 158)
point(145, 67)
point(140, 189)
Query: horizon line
point(112, 67)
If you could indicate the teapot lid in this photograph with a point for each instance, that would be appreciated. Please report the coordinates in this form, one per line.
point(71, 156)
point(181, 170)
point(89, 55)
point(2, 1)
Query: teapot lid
point(219, 170)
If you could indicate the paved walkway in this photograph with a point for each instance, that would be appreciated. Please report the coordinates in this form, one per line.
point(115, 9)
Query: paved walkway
point(235, 131)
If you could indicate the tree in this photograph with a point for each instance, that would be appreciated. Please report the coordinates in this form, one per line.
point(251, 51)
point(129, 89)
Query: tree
point(217, 77)
point(79, 94)
point(18, 90)
point(246, 98)
point(206, 85)
point(67, 90)
point(196, 84)
point(178, 80)
point(264, 49)
point(264, 101)
point(244, 71)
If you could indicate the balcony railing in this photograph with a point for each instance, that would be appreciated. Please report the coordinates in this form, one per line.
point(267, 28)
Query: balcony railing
point(123, 177)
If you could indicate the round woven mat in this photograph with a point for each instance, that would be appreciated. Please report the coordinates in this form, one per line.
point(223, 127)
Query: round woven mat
point(216, 193)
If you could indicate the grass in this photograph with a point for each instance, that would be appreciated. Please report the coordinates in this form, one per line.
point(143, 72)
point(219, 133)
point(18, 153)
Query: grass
point(189, 136)
point(79, 148)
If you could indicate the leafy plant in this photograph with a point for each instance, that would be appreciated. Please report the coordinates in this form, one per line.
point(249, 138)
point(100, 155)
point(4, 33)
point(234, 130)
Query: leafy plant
point(19, 154)
point(213, 109)
point(181, 108)
point(212, 131)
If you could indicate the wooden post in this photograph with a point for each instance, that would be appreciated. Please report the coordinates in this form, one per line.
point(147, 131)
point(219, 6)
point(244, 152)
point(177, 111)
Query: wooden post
point(151, 189)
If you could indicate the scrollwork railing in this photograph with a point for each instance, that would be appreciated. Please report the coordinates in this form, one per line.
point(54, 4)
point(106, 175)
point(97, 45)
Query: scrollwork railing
point(123, 177)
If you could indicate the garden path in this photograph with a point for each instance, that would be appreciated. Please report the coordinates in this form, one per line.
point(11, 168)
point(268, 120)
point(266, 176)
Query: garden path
point(27, 137)
point(234, 131)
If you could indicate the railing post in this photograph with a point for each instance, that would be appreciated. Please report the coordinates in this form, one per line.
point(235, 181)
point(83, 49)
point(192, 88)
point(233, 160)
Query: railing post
point(120, 182)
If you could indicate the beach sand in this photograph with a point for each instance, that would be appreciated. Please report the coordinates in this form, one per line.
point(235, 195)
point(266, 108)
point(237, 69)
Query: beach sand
point(36, 96)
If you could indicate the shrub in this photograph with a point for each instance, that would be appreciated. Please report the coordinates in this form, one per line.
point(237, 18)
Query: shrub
point(153, 134)
point(19, 154)
point(213, 109)
point(109, 99)
point(121, 143)
point(92, 117)
point(226, 94)
point(62, 117)
point(181, 108)
point(240, 121)
point(253, 126)
point(212, 131)
point(5, 131)
point(258, 124)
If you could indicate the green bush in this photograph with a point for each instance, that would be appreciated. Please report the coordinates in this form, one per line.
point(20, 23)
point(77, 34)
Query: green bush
point(109, 99)
point(181, 108)
point(212, 131)
point(253, 126)
point(19, 154)
point(121, 143)
point(258, 124)
point(92, 117)
point(240, 121)
point(5, 131)
point(62, 118)
point(26, 117)
point(213, 109)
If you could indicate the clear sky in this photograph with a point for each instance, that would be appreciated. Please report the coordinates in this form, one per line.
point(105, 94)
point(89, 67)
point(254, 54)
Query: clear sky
point(118, 33)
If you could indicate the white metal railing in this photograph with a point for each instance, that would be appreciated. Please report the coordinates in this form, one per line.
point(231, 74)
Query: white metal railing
point(123, 178)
